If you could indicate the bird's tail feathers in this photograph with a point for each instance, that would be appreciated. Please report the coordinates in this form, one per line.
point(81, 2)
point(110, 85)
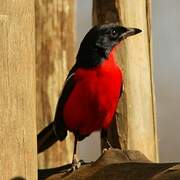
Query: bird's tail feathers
point(46, 138)
point(49, 135)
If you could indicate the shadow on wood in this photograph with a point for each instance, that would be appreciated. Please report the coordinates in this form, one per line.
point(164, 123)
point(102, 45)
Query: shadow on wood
point(118, 164)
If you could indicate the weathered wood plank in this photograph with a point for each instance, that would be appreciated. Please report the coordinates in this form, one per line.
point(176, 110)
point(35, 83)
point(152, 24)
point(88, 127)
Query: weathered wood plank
point(136, 120)
point(118, 164)
point(55, 31)
point(18, 91)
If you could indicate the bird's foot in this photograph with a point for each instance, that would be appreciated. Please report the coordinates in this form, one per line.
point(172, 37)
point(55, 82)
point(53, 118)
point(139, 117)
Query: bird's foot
point(104, 150)
point(75, 164)
point(109, 146)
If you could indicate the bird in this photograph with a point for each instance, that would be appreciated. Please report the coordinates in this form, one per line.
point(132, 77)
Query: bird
point(91, 90)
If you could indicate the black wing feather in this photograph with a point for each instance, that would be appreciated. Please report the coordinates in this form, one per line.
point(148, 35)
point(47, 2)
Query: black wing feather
point(59, 125)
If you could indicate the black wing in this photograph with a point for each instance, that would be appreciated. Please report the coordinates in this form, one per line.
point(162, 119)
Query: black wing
point(59, 125)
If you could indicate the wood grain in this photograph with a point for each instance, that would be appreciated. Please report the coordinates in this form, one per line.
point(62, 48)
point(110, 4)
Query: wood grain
point(135, 119)
point(54, 56)
point(18, 90)
point(121, 165)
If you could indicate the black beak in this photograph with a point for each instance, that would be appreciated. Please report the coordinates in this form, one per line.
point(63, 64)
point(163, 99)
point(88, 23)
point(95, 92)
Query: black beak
point(130, 32)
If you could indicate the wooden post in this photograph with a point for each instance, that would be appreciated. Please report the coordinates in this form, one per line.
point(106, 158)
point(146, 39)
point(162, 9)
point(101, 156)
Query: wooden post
point(54, 56)
point(18, 156)
point(135, 120)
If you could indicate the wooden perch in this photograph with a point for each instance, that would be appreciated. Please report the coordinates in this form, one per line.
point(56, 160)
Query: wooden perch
point(121, 165)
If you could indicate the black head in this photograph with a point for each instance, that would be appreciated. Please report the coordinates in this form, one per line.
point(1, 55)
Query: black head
point(99, 41)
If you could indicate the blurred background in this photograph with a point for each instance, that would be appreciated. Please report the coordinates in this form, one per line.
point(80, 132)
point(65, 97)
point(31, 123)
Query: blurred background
point(166, 61)
point(166, 47)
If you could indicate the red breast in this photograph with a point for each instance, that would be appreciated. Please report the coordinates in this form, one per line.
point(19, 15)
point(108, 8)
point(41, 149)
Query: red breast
point(94, 99)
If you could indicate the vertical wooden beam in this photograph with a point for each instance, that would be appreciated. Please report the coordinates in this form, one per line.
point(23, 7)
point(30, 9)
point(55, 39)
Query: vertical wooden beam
point(18, 157)
point(55, 31)
point(135, 120)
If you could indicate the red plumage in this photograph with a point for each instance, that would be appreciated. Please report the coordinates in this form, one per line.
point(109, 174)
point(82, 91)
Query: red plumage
point(94, 99)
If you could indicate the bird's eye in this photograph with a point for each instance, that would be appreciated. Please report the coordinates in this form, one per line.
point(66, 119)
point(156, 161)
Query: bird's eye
point(114, 33)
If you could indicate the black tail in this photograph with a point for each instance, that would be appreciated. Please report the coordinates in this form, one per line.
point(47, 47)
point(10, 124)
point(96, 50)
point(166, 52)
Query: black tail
point(46, 138)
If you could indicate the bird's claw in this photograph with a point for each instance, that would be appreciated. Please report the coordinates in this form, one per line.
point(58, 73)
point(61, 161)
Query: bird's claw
point(76, 164)
point(108, 148)
point(104, 150)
